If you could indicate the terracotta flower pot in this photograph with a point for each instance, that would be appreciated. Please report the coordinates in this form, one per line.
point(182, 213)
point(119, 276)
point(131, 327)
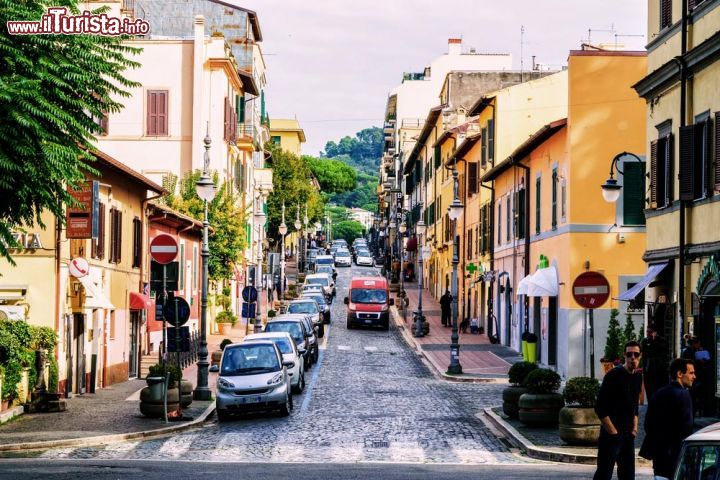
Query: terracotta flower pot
point(224, 328)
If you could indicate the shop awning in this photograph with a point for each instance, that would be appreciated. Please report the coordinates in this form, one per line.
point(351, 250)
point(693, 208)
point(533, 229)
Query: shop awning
point(411, 244)
point(543, 283)
point(652, 272)
point(522, 288)
point(138, 301)
point(94, 296)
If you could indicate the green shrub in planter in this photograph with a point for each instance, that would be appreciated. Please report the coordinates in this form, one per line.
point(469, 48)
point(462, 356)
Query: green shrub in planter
point(542, 380)
point(579, 424)
point(581, 392)
point(226, 316)
point(158, 370)
point(519, 371)
point(271, 313)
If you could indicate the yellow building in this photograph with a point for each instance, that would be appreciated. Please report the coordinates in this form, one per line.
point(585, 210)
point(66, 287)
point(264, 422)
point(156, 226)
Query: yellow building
point(683, 218)
point(551, 222)
point(288, 134)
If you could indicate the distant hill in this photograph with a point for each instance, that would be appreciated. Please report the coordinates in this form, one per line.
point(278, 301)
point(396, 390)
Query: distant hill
point(363, 153)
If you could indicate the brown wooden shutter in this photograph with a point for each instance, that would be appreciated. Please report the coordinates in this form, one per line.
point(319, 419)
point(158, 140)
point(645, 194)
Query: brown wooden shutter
point(653, 173)
point(226, 128)
point(157, 112)
point(717, 151)
point(162, 113)
point(472, 177)
point(151, 119)
point(665, 13)
point(483, 147)
point(119, 235)
point(669, 168)
point(691, 5)
point(687, 162)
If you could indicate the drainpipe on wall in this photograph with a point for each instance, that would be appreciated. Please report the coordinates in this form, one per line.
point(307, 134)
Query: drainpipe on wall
point(526, 320)
point(683, 94)
point(491, 251)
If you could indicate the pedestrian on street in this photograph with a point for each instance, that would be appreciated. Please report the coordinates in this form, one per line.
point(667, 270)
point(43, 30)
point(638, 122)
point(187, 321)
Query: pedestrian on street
point(655, 359)
point(689, 350)
point(445, 307)
point(669, 419)
point(617, 409)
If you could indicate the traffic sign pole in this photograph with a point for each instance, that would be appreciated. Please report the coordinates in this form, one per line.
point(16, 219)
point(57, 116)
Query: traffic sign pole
point(591, 290)
point(177, 357)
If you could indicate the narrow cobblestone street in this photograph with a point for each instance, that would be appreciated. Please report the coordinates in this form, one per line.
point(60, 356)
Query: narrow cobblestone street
point(369, 399)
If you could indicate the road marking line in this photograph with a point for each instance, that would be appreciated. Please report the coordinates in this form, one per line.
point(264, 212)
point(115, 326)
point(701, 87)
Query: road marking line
point(343, 347)
point(371, 349)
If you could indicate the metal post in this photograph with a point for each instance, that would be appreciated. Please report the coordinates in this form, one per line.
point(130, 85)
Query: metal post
point(455, 367)
point(202, 391)
point(419, 314)
point(177, 358)
point(592, 342)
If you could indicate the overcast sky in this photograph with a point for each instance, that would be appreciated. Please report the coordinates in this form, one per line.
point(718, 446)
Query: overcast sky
point(331, 63)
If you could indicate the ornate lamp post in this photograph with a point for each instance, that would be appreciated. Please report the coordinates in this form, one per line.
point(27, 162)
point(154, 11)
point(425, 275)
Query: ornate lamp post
point(420, 232)
point(402, 229)
point(206, 191)
point(282, 229)
point(454, 212)
point(298, 226)
point(260, 220)
point(306, 220)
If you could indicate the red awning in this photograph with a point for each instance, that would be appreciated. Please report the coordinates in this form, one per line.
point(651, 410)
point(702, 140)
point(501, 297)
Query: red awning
point(411, 244)
point(138, 301)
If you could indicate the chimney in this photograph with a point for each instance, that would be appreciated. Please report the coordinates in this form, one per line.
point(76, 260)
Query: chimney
point(454, 46)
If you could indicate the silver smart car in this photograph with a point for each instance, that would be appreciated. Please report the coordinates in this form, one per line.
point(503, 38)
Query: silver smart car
point(253, 377)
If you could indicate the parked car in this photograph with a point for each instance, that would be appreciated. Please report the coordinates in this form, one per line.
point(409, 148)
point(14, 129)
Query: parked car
point(312, 338)
point(300, 332)
point(326, 269)
point(290, 352)
point(369, 302)
point(324, 280)
point(325, 260)
point(322, 300)
point(312, 254)
point(253, 376)
point(700, 455)
point(310, 307)
point(363, 257)
point(343, 258)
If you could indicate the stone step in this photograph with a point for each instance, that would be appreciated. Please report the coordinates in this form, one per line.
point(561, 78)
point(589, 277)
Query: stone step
point(146, 362)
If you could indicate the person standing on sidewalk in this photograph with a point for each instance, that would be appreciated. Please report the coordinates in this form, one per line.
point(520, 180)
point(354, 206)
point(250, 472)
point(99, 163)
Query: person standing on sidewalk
point(445, 308)
point(669, 419)
point(617, 409)
point(655, 360)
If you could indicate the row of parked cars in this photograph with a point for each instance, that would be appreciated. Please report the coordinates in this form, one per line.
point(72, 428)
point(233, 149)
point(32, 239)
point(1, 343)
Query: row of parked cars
point(262, 372)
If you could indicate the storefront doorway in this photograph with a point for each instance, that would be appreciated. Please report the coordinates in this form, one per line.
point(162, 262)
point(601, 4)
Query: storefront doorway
point(79, 341)
point(134, 343)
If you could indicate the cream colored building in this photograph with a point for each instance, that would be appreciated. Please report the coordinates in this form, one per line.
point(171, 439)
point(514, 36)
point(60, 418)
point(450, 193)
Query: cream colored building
point(288, 134)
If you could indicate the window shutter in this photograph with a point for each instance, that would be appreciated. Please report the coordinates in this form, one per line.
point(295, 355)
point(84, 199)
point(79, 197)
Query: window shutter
point(653, 174)
point(538, 196)
point(240, 108)
point(226, 120)
point(436, 154)
point(687, 162)
point(151, 114)
point(481, 236)
point(520, 207)
point(665, 13)
point(104, 120)
point(157, 112)
point(508, 218)
point(691, 5)
point(162, 118)
point(483, 147)
point(491, 141)
point(262, 106)
point(499, 223)
point(633, 193)
point(554, 199)
point(717, 151)
point(472, 178)
point(669, 156)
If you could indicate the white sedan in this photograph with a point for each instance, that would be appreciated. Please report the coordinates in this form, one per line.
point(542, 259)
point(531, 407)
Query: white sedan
point(364, 258)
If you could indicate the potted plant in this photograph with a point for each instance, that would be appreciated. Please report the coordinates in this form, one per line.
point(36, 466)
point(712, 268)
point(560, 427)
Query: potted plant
point(271, 313)
point(612, 354)
point(542, 404)
point(579, 424)
point(510, 395)
point(152, 403)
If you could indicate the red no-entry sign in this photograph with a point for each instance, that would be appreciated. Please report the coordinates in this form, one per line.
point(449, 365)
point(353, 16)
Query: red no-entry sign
point(591, 290)
point(163, 249)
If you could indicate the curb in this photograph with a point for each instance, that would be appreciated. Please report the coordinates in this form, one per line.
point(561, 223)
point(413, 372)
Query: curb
point(104, 439)
point(409, 339)
point(529, 448)
point(11, 413)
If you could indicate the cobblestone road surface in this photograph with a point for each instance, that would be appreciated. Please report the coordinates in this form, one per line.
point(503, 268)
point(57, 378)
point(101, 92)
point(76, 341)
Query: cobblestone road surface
point(369, 399)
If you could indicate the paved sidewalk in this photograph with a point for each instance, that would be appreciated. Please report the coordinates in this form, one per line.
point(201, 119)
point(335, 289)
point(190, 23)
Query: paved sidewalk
point(480, 360)
point(111, 414)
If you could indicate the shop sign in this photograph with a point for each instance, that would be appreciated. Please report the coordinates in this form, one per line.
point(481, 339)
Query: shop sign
point(26, 241)
point(83, 220)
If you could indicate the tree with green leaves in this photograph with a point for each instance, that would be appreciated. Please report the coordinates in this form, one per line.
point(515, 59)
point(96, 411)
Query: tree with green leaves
point(229, 239)
point(347, 229)
point(52, 87)
point(629, 330)
point(332, 175)
point(613, 343)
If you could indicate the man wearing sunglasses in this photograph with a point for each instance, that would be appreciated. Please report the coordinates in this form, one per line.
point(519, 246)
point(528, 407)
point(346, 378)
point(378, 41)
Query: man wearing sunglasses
point(617, 408)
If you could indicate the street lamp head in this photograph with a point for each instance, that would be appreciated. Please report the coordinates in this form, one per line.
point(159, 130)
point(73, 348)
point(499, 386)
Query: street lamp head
point(455, 209)
point(611, 190)
point(298, 225)
point(260, 218)
point(282, 229)
point(403, 228)
point(205, 187)
point(420, 228)
point(318, 226)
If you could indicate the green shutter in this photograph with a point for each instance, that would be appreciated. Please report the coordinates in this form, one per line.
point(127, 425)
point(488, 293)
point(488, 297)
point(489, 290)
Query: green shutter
point(538, 196)
point(240, 108)
point(181, 268)
point(262, 105)
point(436, 154)
point(554, 198)
point(633, 193)
point(491, 141)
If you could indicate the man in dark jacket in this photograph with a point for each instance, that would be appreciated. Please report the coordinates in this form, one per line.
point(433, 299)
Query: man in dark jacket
point(617, 409)
point(669, 419)
point(654, 363)
point(445, 308)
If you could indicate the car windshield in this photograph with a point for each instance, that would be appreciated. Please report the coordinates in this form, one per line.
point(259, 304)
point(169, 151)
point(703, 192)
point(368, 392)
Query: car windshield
point(363, 253)
point(318, 298)
point(318, 281)
point(324, 261)
point(343, 253)
point(293, 328)
point(250, 360)
point(302, 307)
point(700, 462)
point(324, 269)
point(365, 295)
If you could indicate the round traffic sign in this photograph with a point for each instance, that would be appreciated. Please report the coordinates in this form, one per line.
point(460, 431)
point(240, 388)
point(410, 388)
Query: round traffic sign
point(249, 294)
point(183, 311)
point(591, 290)
point(163, 248)
point(78, 267)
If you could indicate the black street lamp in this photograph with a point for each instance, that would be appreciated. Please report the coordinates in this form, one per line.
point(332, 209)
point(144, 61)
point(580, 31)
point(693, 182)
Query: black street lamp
point(420, 229)
point(206, 191)
point(611, 189)
point(454, 212)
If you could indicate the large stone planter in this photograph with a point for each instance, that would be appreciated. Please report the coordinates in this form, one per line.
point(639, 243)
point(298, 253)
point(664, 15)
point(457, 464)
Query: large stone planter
point(224, 328)
point(153, 406)
point(540, 409)
point(511, 396)
point(579, 426)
